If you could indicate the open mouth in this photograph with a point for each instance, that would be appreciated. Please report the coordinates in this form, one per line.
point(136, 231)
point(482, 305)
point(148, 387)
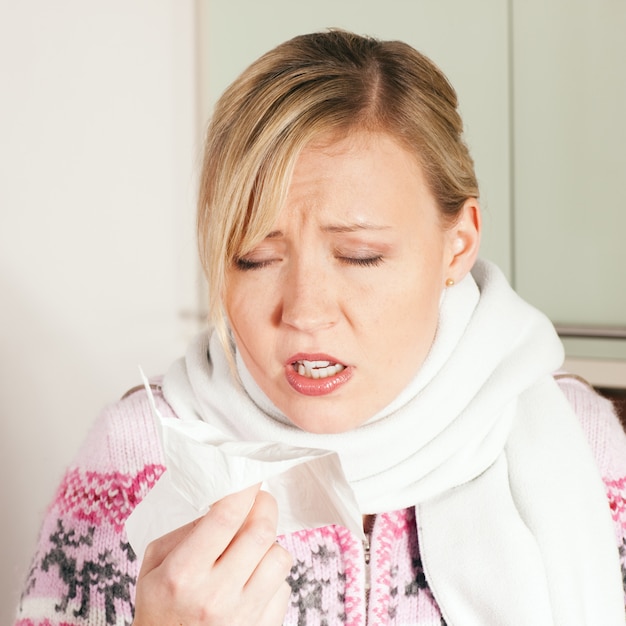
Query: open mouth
point(317, 369)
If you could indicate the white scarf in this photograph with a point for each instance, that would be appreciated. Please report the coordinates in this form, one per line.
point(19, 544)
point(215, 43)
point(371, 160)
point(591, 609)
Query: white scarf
point(513, 522)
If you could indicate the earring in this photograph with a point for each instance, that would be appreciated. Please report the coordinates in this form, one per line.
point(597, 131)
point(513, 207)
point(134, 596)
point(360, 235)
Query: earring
point(449, 282)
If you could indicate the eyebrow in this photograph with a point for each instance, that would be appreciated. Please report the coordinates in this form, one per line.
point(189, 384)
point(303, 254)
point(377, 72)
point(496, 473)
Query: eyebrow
point(338, 228)
point(352, 228)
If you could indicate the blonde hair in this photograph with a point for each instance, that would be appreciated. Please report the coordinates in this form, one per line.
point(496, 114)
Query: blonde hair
point(332, 81)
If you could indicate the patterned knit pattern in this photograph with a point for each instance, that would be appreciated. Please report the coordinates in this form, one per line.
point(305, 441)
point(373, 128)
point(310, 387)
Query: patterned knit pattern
point(399, 587)
point(84, 571)
point(608, 442)
point(327, 577)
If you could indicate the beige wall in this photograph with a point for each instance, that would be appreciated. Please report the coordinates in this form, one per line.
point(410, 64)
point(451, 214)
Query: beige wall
point(97, 163)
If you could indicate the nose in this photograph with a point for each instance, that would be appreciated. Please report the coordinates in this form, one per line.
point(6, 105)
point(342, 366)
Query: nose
point(309, 299)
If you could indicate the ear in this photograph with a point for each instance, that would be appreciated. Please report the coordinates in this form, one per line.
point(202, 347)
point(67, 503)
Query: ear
point(463, 241)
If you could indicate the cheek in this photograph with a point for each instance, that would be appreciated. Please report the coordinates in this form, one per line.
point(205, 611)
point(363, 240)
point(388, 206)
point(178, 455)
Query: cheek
point(249, 313)
point(252, 342)
point(241, 298)
point(411, 319)
point(254, 293)
point(239, 312)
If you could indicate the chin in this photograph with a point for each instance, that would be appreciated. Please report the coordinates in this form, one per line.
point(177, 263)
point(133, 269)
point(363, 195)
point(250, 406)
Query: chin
point(321, 423)
point(323, 427)
point(321, 415)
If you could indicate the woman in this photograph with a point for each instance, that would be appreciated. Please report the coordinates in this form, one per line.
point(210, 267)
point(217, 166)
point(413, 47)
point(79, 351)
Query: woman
point(339, 228)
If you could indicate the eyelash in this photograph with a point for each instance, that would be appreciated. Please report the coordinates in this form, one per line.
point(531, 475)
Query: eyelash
point(363, 262)
point(247, 265)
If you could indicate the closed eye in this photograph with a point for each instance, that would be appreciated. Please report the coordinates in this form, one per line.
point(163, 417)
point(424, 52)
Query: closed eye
point(371, 261)
point(248, 264)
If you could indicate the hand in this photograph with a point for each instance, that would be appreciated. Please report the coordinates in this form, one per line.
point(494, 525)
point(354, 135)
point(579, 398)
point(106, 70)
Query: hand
point(223, 569)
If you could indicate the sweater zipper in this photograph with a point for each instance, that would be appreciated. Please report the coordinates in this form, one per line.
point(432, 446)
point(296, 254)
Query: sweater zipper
point(368, 573)
point(368, 527)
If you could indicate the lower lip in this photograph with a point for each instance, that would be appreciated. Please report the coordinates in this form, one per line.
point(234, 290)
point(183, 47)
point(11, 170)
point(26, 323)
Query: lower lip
point(317, 386)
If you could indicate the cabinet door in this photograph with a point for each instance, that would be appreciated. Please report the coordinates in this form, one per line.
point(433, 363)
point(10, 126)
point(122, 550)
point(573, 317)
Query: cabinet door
point(468, 40)
point(570, 164)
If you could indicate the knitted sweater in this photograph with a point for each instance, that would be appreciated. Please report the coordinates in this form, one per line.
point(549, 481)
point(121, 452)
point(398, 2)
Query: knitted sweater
point(84, 571)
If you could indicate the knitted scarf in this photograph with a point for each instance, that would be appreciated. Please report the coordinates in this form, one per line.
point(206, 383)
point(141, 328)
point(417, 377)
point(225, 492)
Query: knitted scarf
point(511, 513)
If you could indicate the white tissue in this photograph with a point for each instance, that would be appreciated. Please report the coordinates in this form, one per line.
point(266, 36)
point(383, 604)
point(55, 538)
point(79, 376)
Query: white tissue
point(203, 466)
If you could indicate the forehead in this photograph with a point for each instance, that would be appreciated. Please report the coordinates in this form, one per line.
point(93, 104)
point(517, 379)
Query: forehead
point(331, 169)
point(353, 142)
point(362, 180)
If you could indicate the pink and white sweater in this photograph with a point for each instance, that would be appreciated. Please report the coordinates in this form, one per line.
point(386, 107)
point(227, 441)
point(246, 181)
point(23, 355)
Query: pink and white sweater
point(84, 571)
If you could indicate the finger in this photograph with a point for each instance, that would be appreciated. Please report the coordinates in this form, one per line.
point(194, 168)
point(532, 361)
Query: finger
point(276, 609)
point(213, 532)
point(157, 550)
point(269, 575)
point(251, 543)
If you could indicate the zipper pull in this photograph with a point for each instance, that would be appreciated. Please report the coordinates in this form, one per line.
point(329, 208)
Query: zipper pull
point(367, 557)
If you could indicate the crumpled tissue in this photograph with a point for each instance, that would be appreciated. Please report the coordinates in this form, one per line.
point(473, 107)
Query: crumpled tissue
point(203, 466)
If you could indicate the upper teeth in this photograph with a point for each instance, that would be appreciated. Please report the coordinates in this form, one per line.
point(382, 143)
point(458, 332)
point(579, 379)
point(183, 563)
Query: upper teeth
point(318, 369)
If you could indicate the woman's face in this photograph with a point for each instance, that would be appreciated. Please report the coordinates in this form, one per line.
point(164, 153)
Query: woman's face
point(335, 311)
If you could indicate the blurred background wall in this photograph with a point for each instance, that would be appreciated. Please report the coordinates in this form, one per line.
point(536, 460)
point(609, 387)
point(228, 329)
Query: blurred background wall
point(98, 155)
point(102, 107)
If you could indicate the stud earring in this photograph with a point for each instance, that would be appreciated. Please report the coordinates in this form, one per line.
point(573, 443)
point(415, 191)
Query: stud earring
point(449, 282)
